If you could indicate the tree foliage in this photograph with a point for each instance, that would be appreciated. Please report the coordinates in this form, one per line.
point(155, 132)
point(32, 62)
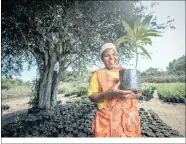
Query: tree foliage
point(57, 34)
point(151, 72)
point(177, 66)
point(175, 73)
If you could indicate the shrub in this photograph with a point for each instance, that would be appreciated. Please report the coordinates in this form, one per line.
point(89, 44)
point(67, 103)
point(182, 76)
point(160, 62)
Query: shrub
point(71, 88)
point(34, 100)
point(164, 79)
point(171, 89)
point(170, 92)
point(148, 90)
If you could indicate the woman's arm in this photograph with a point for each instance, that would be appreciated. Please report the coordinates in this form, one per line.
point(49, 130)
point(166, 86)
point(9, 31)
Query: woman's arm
point(98, 97)
point(113, 91)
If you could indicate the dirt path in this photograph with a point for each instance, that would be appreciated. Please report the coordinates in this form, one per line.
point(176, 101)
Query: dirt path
point(172, 114)
point(16, 104)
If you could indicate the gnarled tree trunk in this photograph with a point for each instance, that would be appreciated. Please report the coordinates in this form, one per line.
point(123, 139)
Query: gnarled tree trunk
point(49, 85)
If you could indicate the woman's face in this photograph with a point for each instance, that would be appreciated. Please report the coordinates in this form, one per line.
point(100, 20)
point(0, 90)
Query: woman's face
point(110, 58)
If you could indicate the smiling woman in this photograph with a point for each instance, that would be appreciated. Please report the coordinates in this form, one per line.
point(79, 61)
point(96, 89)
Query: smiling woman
point(109, 58)
point(118, 114)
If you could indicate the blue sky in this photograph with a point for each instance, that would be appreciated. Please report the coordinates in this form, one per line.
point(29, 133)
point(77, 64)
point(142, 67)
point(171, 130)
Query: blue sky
point(164, 49)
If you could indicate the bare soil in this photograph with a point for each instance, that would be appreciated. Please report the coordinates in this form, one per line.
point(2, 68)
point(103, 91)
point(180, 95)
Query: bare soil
point(172, 114)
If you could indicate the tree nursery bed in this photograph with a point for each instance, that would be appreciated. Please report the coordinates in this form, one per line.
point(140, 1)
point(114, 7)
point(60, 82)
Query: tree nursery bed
point(158, 119)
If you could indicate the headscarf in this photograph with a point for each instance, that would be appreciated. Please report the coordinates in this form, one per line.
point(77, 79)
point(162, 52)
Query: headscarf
point(107, 45)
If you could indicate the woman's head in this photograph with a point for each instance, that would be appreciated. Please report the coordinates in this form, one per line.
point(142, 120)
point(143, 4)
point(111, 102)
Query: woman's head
point(109, 55)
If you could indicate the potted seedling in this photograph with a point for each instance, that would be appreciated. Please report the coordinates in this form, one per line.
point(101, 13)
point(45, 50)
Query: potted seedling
point(137, 37)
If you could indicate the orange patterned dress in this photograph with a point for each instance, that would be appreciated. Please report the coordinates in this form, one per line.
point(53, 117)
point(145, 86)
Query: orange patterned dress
point(120, 117)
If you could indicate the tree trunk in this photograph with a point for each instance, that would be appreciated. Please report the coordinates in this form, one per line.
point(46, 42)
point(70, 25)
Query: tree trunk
point(56, 78)
point(49, 85)
point(136, 58)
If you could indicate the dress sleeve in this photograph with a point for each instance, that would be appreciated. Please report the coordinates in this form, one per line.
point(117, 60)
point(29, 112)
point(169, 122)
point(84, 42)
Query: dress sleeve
point(94, 86)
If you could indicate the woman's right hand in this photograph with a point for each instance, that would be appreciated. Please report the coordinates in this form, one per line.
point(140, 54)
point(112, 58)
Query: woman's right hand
point(115, 91)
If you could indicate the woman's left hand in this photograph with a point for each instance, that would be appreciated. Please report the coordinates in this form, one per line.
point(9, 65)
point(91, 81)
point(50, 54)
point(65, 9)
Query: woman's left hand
point(133, 95)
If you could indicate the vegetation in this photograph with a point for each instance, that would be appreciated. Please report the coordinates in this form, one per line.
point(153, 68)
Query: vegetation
point(73, 87)
point(58, 34)
point(177, 66)
point(151, 72)
point(138, 36)
point(147, 91)
point(61, 34)
point(14, 88)
point(7, 83)
point(175, 73)
point(168, 92)
point(164, 79)
point(171, 89)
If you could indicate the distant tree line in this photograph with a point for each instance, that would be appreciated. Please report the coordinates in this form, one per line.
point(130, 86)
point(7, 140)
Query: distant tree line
point(175, 72)
point(8, 83)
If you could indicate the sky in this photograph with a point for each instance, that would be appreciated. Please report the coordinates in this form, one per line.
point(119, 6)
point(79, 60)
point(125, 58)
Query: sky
point(164, 49)
point(172, 43)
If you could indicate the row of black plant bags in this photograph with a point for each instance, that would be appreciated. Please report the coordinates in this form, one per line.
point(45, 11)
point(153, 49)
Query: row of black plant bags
point(172, 99)
point(153, 126)
point(4, 107)
point(75, 120)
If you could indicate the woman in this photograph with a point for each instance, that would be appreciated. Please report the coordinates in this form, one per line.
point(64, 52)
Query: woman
point(117, 114)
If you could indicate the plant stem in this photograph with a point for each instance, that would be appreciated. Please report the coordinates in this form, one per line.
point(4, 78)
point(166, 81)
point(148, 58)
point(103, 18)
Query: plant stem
point(136, 58)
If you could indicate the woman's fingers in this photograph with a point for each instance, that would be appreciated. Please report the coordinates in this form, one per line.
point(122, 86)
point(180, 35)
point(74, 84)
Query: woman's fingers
point(127, 96)
point(124, 92)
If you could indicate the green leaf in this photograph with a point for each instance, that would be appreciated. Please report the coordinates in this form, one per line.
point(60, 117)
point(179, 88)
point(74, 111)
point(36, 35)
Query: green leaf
point(140, 32)
point(128, 28)
point(146, 41)
point(146, 22)
point(152, 31)
point(136, 25)
point(133, 46)
point(152, 34)
point(145, 51)
point(122, 39)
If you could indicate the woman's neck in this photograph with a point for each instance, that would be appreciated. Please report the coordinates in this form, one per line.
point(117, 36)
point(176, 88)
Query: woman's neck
point(111, 69)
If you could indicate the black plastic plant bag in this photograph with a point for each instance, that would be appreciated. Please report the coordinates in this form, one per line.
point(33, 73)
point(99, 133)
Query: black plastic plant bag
point(130, 79)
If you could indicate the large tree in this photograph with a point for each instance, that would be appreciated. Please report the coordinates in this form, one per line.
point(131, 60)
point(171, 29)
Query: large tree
point(59, 34)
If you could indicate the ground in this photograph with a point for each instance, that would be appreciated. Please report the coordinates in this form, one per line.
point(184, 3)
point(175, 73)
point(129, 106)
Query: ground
point(172, 114)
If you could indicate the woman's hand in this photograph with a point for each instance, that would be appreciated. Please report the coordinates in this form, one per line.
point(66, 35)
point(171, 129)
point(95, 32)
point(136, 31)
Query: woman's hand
point(127, 94)
point(113, 91)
